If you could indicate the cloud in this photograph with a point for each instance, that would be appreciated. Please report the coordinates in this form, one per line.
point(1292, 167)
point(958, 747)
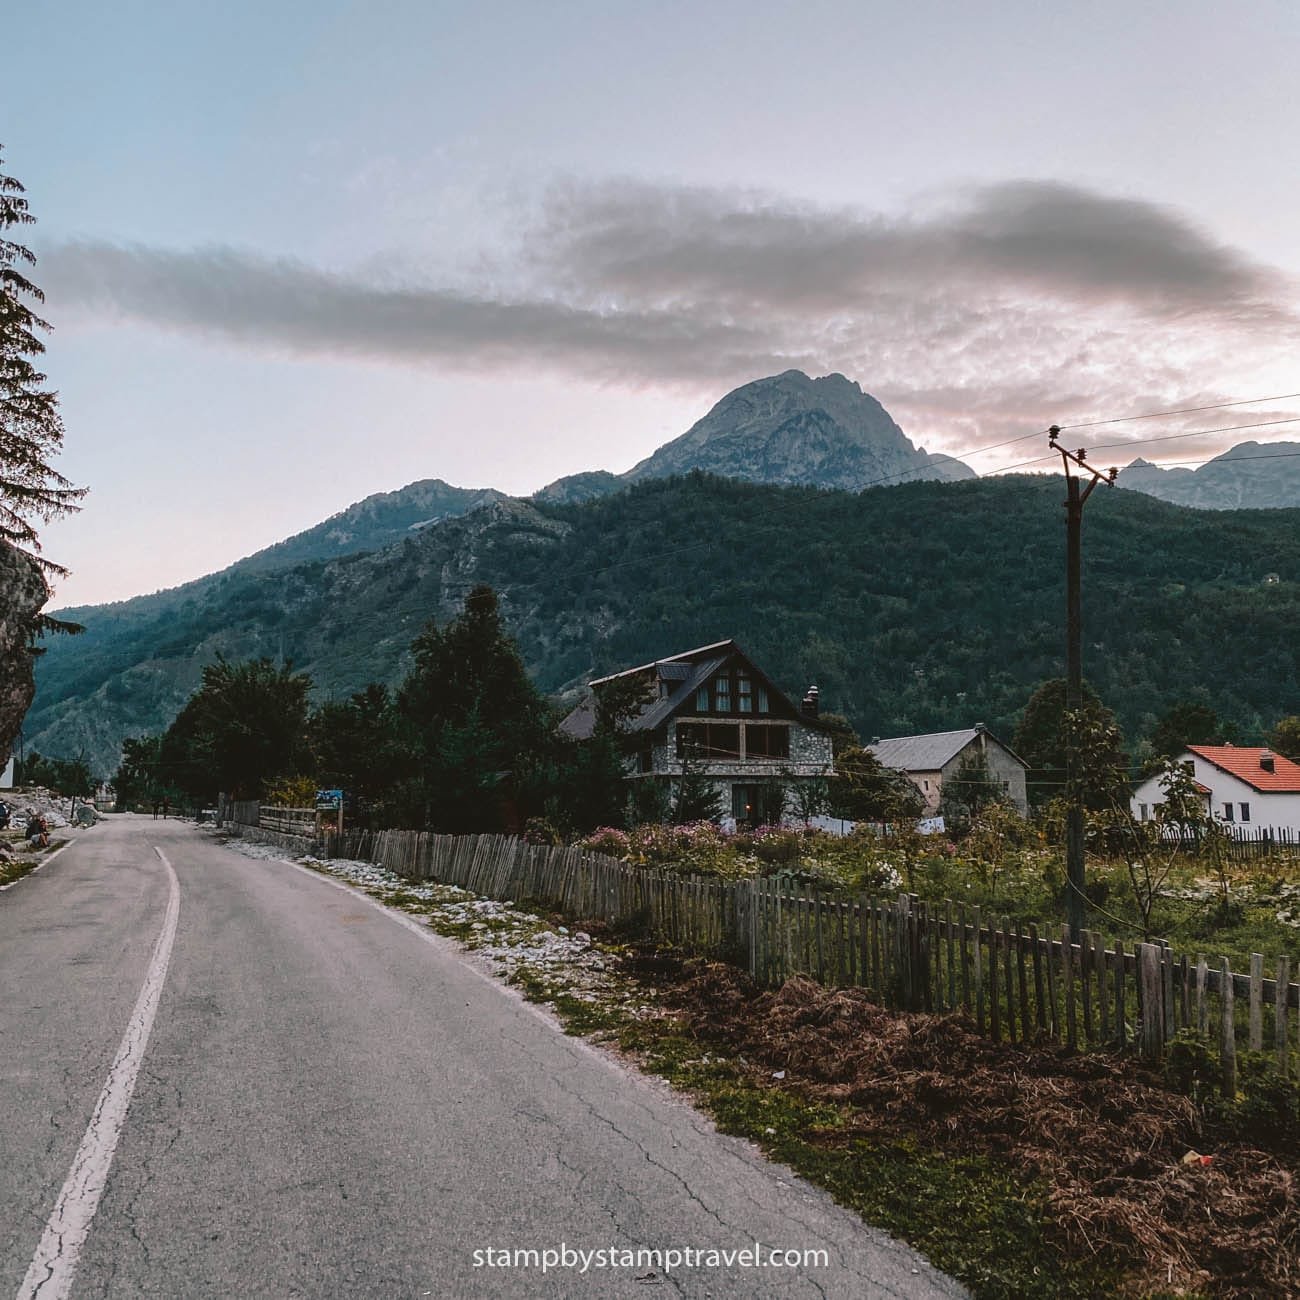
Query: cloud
point(285, 304)
point(1031, 235)
point(1016, 304)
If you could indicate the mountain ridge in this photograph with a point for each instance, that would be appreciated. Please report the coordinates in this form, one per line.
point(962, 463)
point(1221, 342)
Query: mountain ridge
point(914, 608)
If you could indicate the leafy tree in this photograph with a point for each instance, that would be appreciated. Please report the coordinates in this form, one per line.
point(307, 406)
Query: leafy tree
point(31, 429)
point(1188, 722)
point(354, 743)
point(1040, 741)
point(246, 724)
point(864, 789)
point(63, 776)
point(137, 781)
point(843, 734)
point(1285, 737)
point(1150, 848)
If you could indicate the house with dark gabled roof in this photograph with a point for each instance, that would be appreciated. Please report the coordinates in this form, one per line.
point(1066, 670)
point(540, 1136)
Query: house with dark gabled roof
point(930, 760)
point(1244, 786)
point(714, 711)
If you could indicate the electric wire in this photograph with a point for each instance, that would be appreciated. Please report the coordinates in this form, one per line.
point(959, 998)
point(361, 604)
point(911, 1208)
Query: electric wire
point(1182, 410)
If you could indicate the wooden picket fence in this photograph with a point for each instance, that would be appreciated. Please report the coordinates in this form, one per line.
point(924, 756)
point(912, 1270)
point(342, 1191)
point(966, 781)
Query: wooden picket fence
point(1017, 983)
point(1241, 843)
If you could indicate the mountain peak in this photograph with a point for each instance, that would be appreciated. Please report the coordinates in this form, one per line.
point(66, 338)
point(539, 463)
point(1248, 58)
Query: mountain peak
point(793, 429)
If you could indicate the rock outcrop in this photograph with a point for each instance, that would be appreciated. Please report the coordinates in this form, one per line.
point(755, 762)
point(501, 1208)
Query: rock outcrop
point(23, 591)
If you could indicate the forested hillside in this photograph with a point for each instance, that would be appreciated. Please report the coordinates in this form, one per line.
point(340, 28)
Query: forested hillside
point(924, 606)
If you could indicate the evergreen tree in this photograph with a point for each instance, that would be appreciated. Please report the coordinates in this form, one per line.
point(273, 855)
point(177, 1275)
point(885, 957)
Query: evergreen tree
point(31, 430)
point(478, 731)
point(970, 790)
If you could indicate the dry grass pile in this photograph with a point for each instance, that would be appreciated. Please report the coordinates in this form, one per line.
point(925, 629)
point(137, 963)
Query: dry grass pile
point(1104, 1134)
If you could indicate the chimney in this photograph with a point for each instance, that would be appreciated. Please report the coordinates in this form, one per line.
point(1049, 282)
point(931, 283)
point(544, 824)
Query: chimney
point(875, 740)
point(979, 726)
point(810, 702)
point(1266, 760)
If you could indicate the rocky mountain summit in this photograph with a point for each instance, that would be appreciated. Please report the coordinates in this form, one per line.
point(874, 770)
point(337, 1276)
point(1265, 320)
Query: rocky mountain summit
point(790, 430)
point(1249, 476)
point(794, 430)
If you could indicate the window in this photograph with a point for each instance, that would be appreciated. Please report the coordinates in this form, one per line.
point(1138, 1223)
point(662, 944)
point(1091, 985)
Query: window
point(708, 740)
point(1142, 812)
point(733, 690)
point(1245, 812)
point(767, 742)
point(1227, 812)
point(744, 694)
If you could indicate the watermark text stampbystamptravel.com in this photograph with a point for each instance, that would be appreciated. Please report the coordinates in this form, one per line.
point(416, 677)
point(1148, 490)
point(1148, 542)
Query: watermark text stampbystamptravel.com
point(646, 1258)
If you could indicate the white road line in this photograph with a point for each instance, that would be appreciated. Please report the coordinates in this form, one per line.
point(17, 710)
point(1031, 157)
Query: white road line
point(55, 1263)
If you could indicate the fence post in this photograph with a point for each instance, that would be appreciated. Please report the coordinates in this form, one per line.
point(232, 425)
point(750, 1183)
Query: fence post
point(1228, 1031)
point(1281, 989)
point(1151, 1002)
point(1256, 1001)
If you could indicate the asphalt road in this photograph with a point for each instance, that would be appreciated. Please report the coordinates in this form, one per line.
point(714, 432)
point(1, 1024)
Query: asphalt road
point(327, 1103)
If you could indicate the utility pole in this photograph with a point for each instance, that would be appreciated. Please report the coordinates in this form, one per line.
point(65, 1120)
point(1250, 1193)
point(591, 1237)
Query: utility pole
point(1076, 495)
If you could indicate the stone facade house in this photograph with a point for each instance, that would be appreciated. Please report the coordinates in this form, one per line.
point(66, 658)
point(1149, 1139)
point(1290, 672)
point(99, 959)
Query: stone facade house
point(1245, 788)
point(928, 761)
point(713, 713)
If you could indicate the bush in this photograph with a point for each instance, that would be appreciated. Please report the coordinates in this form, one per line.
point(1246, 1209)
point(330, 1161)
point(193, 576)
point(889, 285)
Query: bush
point(608, 840)
point(1268, 1111)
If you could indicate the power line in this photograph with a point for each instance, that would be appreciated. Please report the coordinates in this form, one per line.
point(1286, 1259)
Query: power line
point(1182, 410)
point(1189, 464)
point(1196, 433)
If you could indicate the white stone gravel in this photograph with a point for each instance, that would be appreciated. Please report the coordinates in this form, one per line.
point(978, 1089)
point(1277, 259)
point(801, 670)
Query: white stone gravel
point(22, 803)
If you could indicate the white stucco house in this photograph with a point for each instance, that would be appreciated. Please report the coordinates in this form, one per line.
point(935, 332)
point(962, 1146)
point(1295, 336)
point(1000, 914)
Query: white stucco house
point(1243, 786)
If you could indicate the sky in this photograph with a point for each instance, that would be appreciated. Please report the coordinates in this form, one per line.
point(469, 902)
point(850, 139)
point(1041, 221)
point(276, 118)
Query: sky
point(297, 253)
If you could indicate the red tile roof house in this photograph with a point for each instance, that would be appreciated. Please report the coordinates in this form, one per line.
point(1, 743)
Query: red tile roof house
point(715, 704)
point(1246, 788)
